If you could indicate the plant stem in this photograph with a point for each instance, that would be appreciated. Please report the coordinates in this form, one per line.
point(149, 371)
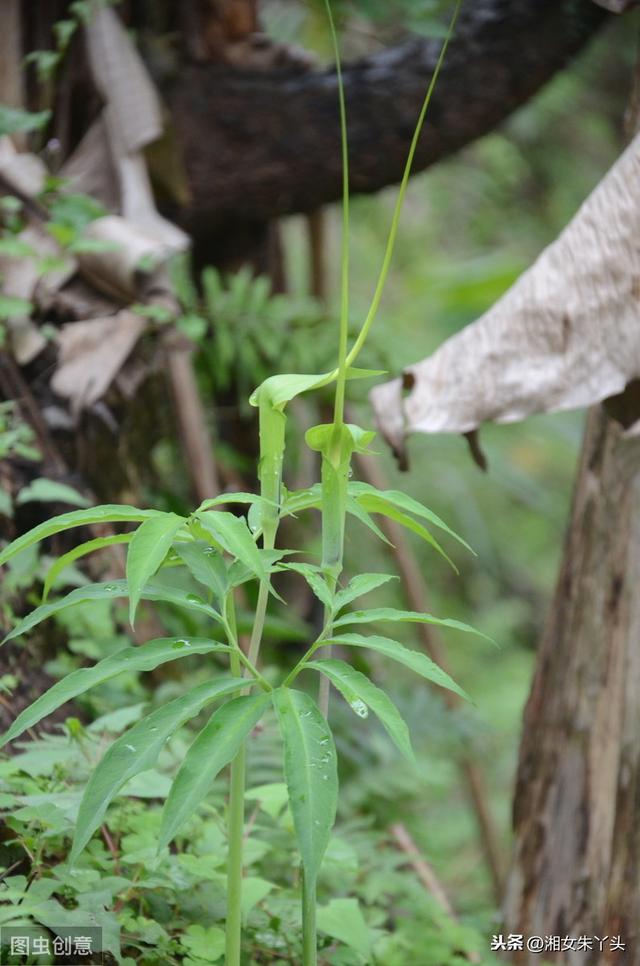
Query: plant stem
point(258, 622)
point(253, 671)
point(234, 860)
point(238, 781)
point(293, 674)
point(386, 261)
point(309, 940)
point(235, 828)
point(325, 685)
point(344, 283)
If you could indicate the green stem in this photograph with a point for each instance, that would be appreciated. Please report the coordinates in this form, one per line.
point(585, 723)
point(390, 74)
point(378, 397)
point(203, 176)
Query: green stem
point(270, 485)
point(258, 622)
point(325, 685)
point(344, 285)
point(386, 261)
point(236, 841)
point(309, 940)
point(253, 671)
point(234, 861)
point(238, 782)
point(306, 657)
point(324, 688)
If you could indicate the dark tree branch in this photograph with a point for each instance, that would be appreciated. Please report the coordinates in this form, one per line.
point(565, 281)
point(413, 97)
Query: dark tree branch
point(258, 145)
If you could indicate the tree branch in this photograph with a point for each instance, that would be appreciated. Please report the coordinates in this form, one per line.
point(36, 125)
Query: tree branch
point(262, 144)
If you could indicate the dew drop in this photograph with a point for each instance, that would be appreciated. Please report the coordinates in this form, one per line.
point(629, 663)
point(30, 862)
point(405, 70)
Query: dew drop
point(209, 551)
point(195, 599)
point(130, 747)
point(359, 707)
point(110, 588)
point(181, 643)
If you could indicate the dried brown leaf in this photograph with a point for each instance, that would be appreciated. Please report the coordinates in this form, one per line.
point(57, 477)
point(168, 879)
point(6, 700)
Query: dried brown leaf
point(565, 336)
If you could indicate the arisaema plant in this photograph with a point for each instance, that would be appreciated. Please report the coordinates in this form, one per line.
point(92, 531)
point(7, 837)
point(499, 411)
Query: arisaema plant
point(222, 551)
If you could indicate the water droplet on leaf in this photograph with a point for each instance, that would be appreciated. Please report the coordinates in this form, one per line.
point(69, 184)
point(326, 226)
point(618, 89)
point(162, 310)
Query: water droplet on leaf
point(359, 707)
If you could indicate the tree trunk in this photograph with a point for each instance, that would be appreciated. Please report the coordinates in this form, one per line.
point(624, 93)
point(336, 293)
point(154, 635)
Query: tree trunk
point(258, 144)
point(577, 802)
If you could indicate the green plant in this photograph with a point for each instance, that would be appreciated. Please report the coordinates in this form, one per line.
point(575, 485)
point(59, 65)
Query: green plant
point(152, 912)
point(221, 552)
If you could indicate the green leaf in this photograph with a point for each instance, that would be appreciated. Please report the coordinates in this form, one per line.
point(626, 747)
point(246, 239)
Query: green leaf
point(215, 746)
point(233, 534)
point(372, 503)
point(64, 31)
point(107, 513)
point(226, 498)
point(342, 919)
point(310, 768)
point(45, 62)
point(145, 657)
point(403, 502)
point(75, 210)
point(11, 306)
point(15, 247)
point(110, 591)
point(149, 546)
point(254, 890)
point(354, 508)
point(93, 246)
point(80, 551)
point(360, 693)
point(136, 751)
point(405, 616)
point(239, 573)
point(360, 585)
point(50, 491)
point(207, 566)
point(313, 576)
point(414, 660)
point(205, 944)
point(194, 326)
point(271, 798)
point(297, 500)
point(14, 121)
point(319, 437)
point(282, 388)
